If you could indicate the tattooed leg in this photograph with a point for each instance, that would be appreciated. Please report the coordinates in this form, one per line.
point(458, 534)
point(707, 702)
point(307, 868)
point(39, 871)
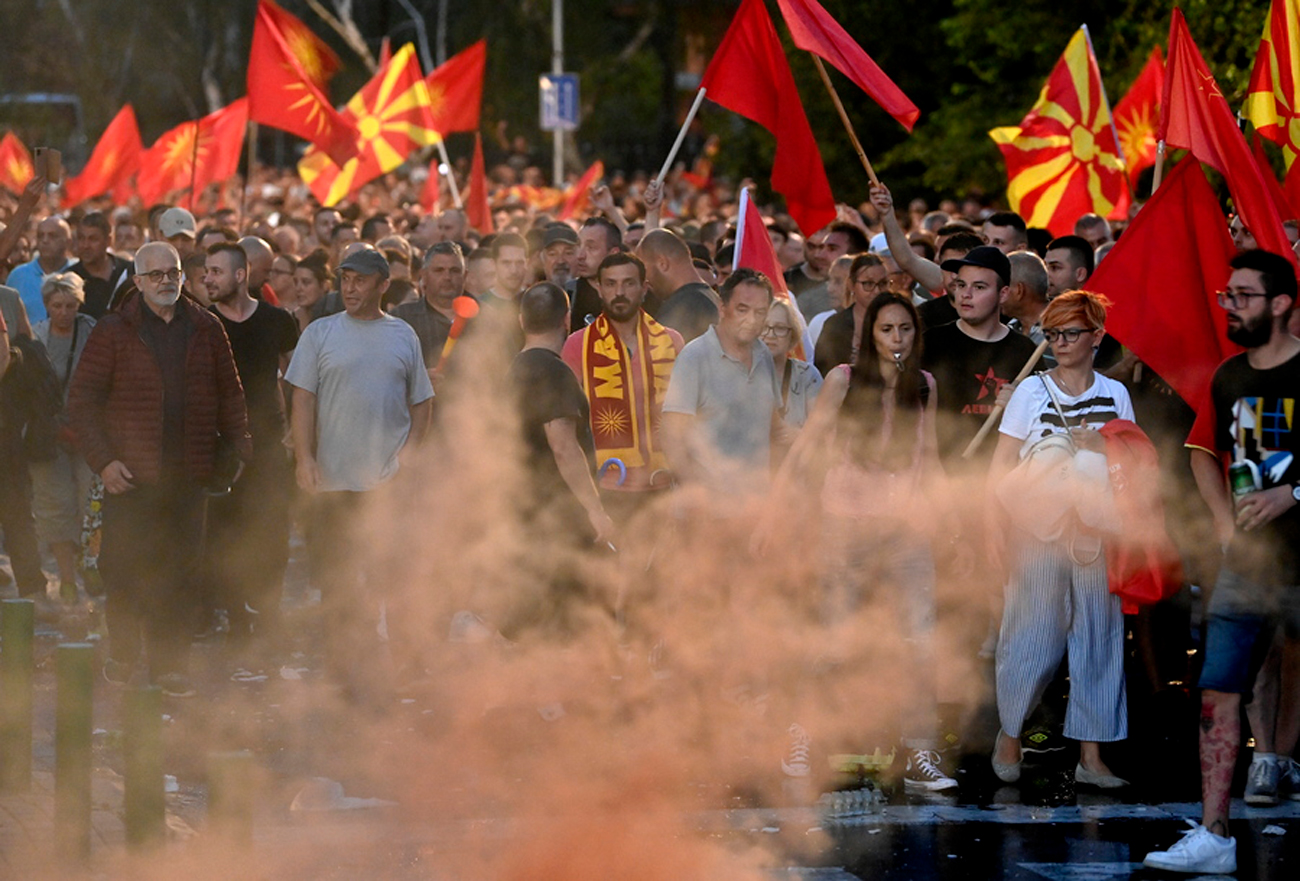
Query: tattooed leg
point(1220, 734)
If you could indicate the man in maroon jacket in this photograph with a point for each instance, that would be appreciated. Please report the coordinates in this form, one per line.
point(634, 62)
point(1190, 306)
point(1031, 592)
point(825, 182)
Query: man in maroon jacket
point(154, 398)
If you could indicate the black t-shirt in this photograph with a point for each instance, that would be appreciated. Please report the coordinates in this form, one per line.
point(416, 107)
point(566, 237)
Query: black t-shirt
point(546, 390)
point(690, 311)
point(257, 343)
point(937, 312)
point(586, 303)
point(968, 375)
point(1255, 419)
point(100, 292)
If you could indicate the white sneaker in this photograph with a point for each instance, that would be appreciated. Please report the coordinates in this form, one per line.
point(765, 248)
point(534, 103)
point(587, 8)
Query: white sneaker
point(923, 772)
point(1198, 852)
point(795, 763)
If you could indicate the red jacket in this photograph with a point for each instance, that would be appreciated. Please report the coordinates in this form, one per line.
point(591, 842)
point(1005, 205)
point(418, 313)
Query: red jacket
point(115, 403)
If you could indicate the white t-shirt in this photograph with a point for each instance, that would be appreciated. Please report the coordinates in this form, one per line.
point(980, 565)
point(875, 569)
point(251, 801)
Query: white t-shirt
point(1030, 415)
point(366, 375)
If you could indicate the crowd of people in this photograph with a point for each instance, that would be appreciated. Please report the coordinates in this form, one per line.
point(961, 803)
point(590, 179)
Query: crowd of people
point(180, 393)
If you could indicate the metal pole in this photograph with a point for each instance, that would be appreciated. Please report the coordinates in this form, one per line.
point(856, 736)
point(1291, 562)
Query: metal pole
point(72, 728)
point(143, 803)
point(17, 626)
point(451, 173)
point(421, 34)
point(231, 794)
point(557, 67)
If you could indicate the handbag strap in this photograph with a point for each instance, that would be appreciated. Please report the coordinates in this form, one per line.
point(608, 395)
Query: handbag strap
point(1065, 422)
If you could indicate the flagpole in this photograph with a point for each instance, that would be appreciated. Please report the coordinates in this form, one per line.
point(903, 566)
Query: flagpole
point(844, 117)
point(1160, 167)
point(194, 164)
point(451, 173)
point(248, 172)
point(681, 135)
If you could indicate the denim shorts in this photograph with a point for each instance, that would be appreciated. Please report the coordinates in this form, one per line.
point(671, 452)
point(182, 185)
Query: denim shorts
point(1242, 617)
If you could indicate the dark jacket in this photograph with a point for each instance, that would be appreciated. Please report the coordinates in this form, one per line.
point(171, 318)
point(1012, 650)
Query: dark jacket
point(115, 403)
point(835, 342)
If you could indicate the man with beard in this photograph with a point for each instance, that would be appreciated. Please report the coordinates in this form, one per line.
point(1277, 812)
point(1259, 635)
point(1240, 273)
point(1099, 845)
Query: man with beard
point(597, 239)
point(155, 395)
point(442, 280)
point(1249, 420)
point(623, 360)
point(248, 529)
point(559, 250)
point(104, 274)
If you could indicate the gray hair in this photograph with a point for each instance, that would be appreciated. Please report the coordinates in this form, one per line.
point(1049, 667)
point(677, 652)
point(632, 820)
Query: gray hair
point(63, 283)
point(1028, 269)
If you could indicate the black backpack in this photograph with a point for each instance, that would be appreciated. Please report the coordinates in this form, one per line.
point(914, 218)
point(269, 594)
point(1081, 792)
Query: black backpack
point(40, 400)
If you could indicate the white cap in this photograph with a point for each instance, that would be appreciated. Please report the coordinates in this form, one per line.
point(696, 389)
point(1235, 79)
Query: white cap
point(176, 222)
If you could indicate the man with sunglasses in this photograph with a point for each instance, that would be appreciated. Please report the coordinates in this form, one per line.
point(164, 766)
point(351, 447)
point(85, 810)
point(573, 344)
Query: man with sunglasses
point(155, 393)
point(1249, 423)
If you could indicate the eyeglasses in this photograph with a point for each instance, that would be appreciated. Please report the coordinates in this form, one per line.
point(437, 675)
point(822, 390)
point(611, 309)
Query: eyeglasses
point(775, 331)
point(1236, 299)
point(158, 275)
point(1070, 334)
point(872, 285)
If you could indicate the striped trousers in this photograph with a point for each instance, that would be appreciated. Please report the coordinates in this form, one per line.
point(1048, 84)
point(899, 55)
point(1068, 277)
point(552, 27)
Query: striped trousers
point(1054, 605)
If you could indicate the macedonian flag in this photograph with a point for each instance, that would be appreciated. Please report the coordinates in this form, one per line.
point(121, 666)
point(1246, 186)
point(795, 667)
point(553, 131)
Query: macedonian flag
point(1063, 159)
point(1273, 97)
point(116, 157)
point(194, 154)
point(394, 116)
point(286, 66)
point(16, 169)
point(1136, 116)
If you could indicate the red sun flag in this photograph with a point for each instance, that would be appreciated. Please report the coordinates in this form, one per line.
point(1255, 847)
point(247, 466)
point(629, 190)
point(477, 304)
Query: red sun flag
point(314, 57)
point(814, 30)
point(195, 153)
point(392, 115)
point(1136, 116)
point(1273, 98)
point(750, 76)
point(282, 95)
point(16, 169)
point(1063, 160)
point(456, 90)
point(115, 158)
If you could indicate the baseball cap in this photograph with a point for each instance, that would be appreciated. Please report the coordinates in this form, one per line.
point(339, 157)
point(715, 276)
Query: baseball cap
point(176, 222)
point(559, 232)
point(985, 257)
point(366, 262)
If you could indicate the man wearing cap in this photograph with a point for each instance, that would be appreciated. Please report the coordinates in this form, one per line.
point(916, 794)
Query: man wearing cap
point(361, 404)
point(177, 227)
point(559, 250)
point(974, 357)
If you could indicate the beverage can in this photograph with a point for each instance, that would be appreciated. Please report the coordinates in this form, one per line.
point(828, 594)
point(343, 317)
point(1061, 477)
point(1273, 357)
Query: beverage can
point(1243, 478)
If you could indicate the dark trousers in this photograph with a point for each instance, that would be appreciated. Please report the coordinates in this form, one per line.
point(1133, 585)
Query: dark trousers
point(150, 560)
point(247, 547)
point(339, 561)
point(20, 528)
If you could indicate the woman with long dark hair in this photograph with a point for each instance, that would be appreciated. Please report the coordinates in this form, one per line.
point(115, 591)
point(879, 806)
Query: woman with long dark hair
point(873, 426)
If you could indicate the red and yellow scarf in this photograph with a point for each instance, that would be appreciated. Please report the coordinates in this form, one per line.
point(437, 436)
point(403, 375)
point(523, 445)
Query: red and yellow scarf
point(623, 427)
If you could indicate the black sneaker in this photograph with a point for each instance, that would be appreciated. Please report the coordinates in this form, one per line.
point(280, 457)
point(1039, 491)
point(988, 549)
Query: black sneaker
point(175, 685)
point(1041, 739)
point(923, 773)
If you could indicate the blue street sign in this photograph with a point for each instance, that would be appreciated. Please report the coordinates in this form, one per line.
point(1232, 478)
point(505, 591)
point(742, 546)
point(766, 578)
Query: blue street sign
point(559, 101)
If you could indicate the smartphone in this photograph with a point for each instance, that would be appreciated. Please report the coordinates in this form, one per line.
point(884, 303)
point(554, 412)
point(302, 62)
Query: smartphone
point(48, 163)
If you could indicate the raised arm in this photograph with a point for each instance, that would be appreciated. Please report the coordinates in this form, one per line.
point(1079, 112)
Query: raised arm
point(26, 205)
point(927, 272)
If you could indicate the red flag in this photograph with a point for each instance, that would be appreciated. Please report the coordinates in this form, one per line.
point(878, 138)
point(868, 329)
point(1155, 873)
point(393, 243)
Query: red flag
point(576, 200)
point(750, 76)
point(282, 95)
point(392, 114)
point(1162, 276)
point(1194, 115)
point(478, 210)
point(1136, 116)
point(456, 90)
point(16, 169)
point(815, 31)
point(1062, 159)
point(316, 59)
point(198, 152)
point(754, 251)
point(1275, 192)
point(115, 158)
point(429, 193)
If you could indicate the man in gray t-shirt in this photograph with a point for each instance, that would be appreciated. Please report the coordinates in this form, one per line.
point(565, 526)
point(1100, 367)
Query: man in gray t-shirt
point(361, 396)
point(722, 400)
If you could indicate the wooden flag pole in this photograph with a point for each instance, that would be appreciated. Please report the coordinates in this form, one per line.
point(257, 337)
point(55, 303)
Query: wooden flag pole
point(997, 408)
point(844, 117)
point(681, 135)
point(248, 172)
point(451, 173)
